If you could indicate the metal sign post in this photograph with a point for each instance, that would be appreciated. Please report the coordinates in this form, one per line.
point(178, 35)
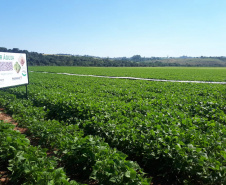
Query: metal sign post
point(26, 93)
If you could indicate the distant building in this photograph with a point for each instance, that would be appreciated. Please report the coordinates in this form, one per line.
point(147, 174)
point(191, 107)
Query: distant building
point(184, 56)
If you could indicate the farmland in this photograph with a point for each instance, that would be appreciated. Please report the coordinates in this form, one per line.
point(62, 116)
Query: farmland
point(165, 73)
point(117, 131)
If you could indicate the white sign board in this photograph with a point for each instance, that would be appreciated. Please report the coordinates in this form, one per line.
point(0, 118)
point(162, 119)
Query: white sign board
point(13, 69)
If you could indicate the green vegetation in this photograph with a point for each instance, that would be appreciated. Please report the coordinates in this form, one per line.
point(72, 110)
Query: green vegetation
point(87, 157)
point(28, 164)
point(38, 59)
point(175, 131)
point(166, 73)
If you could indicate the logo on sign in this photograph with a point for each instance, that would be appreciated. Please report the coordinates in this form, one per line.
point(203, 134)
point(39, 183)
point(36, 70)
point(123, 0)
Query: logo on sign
point(24, 73)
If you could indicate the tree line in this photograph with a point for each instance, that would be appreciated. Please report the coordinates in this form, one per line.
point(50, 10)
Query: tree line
point(39, 59)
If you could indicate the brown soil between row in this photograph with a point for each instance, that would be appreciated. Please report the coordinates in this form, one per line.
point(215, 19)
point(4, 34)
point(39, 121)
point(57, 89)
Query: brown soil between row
point(4, 179)
point(4, 173)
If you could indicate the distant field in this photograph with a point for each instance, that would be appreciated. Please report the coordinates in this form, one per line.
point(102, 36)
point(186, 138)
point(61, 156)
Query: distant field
point(167, 73)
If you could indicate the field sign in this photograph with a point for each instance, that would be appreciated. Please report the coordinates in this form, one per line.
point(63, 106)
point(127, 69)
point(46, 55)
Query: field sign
point(13, 69)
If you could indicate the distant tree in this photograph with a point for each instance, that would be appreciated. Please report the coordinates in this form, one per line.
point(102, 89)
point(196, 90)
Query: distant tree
point(136, 58)
point(2, 49)
point(38, 59)
point(15, 50)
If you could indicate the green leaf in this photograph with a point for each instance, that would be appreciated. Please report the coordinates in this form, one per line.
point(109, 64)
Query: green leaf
point(9, 139)
point(127, 174)
point(132, 174)
point(113, 179)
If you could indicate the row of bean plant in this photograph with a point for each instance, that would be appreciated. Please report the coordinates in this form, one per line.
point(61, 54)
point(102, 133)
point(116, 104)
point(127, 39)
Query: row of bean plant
point(83, 157)
point(27, 164)
point(173, 130)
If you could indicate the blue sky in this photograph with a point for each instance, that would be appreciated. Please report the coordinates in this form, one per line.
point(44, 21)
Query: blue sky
point(115, 28)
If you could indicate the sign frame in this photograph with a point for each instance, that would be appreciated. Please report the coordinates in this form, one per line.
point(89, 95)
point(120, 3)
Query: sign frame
point(26, 69)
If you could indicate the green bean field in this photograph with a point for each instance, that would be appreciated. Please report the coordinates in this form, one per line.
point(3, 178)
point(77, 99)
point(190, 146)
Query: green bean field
point(117, 131)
